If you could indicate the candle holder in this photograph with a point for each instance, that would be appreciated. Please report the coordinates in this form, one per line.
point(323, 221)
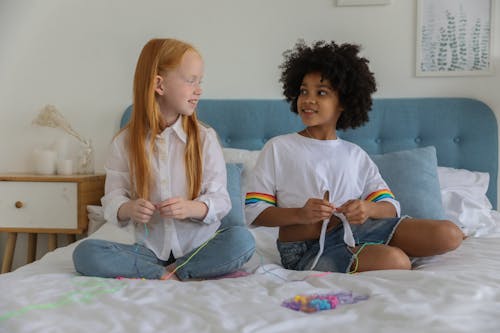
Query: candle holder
point(86, 158)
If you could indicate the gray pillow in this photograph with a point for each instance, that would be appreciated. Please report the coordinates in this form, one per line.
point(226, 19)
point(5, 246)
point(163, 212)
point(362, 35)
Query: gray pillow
point(412, 177)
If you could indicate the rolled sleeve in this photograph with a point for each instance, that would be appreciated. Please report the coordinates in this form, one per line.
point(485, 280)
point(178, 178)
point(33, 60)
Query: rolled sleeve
point(111, 203)
point(252, 211)
point(262, 187)
point(117, 185)
point(376, 189)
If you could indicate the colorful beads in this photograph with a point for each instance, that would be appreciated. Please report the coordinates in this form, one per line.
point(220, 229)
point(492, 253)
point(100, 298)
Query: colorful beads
point(316, 302)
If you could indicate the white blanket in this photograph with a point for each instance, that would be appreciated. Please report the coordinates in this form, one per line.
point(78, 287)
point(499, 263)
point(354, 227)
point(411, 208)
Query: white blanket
point(455, 292)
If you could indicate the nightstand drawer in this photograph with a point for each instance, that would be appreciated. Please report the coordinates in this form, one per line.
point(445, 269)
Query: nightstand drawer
point(41, 205)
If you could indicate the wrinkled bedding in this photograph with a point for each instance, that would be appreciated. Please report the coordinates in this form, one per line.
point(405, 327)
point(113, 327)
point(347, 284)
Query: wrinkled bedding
point(455, 292)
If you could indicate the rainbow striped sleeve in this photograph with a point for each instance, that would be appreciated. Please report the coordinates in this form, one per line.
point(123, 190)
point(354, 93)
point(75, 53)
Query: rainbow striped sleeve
point(379, 195)
point(253, 197)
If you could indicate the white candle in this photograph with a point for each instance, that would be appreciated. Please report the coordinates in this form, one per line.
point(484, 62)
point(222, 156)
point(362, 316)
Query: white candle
point(64, 167)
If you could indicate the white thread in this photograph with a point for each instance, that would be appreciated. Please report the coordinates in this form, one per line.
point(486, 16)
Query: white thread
point(321, 242)
point(322, 235)
point(348, 236)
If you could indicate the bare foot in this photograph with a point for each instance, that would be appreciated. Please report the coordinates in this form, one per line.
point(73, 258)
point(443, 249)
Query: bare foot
point(170, 273)
point(170, 276)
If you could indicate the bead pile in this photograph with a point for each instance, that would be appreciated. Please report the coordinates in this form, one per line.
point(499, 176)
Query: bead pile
point(317, 302)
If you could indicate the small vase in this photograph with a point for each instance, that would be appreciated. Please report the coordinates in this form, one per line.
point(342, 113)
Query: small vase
point(86, 158)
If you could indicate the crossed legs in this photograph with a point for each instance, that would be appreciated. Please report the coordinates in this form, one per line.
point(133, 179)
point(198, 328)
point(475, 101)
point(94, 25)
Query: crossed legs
point(412, 238)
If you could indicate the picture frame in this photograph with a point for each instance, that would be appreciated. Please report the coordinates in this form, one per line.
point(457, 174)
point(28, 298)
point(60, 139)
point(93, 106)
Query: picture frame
point(454, 37)
point(341, 3)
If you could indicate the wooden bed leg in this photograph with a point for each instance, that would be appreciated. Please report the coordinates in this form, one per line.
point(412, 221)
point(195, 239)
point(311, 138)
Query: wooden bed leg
point(52, 242)
point(71, 238)
point(32, 238)
point(9, 252)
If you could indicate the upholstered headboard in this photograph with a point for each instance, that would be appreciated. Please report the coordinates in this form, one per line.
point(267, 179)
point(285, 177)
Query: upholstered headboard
point(464, 131)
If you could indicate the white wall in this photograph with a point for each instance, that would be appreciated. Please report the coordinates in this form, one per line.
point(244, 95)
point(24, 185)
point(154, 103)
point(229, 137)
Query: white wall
point(80, 56)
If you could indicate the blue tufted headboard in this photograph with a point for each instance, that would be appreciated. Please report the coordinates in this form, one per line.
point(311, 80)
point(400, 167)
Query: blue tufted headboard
point(464, 131)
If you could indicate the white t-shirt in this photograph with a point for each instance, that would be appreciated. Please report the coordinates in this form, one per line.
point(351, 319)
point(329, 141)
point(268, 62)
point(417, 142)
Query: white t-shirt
point(169, 176)
point(292, 169)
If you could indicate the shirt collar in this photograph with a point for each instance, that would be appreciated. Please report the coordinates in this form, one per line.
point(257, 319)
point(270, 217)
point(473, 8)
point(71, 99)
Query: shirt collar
point(177, 129)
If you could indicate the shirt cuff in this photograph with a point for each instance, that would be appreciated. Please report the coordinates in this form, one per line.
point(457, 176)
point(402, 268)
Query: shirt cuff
point(111, 211)
point(211, 217)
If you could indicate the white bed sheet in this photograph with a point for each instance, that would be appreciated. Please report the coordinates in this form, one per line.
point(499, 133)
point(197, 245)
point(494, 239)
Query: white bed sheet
point(455, 292)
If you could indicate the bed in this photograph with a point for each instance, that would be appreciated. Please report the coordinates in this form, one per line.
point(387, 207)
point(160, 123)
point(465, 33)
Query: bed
point(455, 292)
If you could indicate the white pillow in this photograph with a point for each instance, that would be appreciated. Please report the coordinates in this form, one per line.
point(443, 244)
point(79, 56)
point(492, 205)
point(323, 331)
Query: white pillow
point(465, 202)
point(100, 229)
point(246, 157)
point(96, 218)
point(472, 180)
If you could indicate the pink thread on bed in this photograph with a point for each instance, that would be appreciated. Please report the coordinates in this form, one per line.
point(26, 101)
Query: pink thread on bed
point(318, 275)
point(125, 278)
point(232, 275)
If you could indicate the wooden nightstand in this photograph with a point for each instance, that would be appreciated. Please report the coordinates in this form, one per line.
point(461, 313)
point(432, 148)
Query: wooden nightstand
point(49, 204)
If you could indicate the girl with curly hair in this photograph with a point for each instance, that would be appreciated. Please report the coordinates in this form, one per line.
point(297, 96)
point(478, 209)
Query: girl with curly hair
point(333, 209)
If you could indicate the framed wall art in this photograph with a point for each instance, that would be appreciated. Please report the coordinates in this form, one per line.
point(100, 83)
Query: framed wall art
point(454, 37)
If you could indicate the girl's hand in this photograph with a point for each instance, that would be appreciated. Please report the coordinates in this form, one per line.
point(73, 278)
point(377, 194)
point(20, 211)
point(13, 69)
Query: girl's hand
point(138, 210)
point(315, 210)
point(180, 208)
point(355, 211)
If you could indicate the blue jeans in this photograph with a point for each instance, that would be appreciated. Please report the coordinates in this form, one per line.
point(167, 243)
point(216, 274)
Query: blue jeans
point(337, 256)
point(225, 253)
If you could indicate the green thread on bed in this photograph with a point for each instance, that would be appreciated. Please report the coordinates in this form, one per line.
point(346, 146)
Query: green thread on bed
point(94, 287)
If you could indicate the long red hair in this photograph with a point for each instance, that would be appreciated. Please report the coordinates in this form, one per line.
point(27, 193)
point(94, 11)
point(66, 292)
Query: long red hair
point(159, 56)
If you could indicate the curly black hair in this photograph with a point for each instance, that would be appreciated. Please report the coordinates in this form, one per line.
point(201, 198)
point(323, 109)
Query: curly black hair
point(347, 72)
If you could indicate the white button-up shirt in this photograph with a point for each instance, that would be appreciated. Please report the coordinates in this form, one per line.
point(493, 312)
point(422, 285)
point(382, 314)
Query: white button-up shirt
point(163, 235)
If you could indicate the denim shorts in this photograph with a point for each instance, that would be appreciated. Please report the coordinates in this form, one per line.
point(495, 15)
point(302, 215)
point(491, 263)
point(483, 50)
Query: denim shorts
point(337, 256)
